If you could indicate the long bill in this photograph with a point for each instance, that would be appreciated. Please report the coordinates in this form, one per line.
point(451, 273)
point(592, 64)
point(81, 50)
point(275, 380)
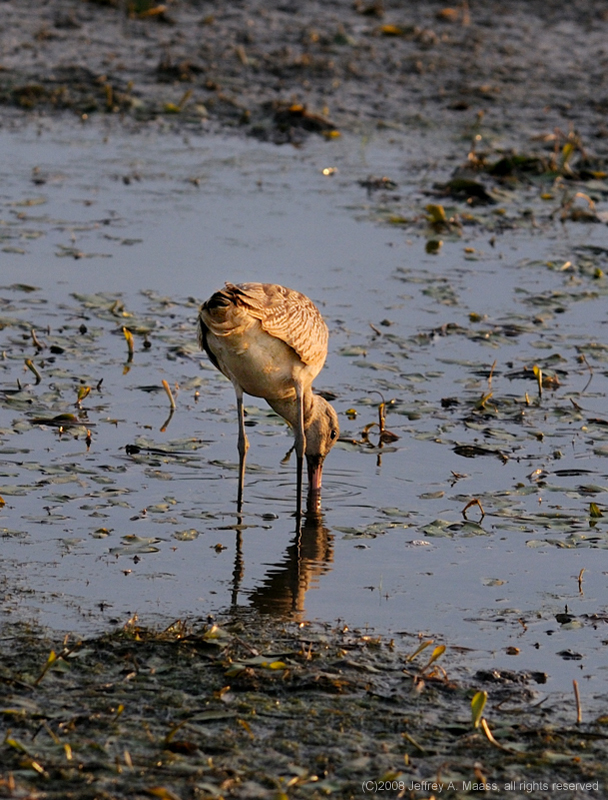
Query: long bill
point(315, 475)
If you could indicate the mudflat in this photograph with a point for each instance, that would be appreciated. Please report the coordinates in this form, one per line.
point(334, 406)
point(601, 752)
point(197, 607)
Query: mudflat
point(279, 71)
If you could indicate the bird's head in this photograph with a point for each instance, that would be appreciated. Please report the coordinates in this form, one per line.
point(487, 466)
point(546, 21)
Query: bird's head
point(321, 435)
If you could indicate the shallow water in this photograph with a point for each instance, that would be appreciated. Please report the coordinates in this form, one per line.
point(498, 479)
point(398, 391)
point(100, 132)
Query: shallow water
point(91, 216)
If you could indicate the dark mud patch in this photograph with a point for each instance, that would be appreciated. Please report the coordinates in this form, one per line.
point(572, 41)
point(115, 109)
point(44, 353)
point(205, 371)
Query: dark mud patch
point(216, 711)
point(281, 71)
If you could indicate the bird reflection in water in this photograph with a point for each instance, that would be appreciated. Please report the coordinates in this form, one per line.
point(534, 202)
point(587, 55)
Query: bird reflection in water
point(282, 592)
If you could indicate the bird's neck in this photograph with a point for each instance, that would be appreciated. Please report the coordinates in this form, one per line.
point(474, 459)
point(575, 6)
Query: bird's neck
point(288, 408)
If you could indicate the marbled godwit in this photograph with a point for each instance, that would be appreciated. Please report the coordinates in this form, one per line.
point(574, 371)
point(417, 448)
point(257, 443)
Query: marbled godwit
point(271, 342)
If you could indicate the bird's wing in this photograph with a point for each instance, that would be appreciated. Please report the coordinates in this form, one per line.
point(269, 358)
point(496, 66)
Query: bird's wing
point(286, 314)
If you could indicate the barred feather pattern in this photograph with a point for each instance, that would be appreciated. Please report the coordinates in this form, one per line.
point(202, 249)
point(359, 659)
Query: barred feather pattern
point(283, 313)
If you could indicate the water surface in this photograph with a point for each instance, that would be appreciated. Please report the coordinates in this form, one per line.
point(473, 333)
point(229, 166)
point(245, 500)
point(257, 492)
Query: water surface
point(116, 229)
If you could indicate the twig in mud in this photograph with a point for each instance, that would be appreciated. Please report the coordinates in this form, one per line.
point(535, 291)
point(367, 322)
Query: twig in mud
point(583, 359)
point(32, 368)
point(577, 697)
point(474, 502)
point(167, 389)
point(491, 375)
point(580, 581)
point(486, 729)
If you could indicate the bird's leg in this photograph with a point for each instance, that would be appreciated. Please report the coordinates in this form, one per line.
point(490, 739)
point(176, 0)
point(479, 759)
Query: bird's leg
point(300, 446)
point(243, 445)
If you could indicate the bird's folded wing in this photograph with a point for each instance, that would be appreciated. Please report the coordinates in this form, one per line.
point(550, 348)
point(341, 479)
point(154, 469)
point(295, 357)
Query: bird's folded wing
point(288, 315)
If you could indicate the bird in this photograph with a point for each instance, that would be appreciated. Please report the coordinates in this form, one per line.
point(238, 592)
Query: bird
point(271, 342)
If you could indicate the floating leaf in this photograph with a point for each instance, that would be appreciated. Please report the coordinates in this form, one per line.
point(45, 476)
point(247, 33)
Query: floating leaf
point(391, 30)
point(595, 511)
point(162, 793)
point(135, 545)
point(186, 536)
point(436, 213)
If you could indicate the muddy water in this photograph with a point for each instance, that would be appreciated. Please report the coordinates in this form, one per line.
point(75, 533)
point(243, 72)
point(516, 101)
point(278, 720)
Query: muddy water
point(115, 230)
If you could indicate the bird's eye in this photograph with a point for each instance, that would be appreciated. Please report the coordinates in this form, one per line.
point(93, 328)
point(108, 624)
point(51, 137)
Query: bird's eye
point(333, 434)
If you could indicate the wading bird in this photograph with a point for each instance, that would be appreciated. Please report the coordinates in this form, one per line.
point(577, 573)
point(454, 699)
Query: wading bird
point(271, 342)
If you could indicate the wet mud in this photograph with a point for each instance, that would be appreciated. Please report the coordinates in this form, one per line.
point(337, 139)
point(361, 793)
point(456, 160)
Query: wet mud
point(216, 710)
point(281, 72)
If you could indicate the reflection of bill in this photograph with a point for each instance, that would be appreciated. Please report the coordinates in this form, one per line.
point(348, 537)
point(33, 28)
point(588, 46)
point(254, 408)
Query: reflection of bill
point(284, 588)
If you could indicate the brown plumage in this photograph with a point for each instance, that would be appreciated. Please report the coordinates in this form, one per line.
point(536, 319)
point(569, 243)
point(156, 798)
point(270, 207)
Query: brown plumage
point(271, 342)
